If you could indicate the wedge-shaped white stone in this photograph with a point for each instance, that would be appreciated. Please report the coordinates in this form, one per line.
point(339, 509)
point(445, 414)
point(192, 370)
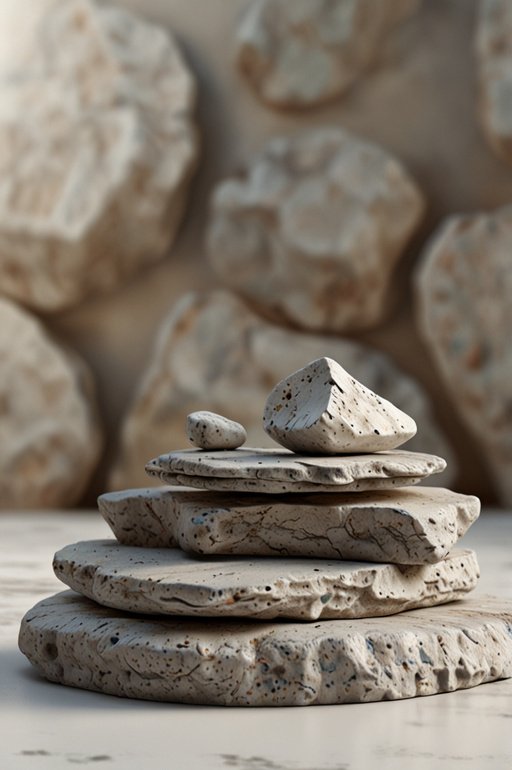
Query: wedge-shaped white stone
point(73, 641)
point(264, 486)
point(322, 409)
point(170, 582)
point(407, 526)
point(278, 471)
point(209, 430)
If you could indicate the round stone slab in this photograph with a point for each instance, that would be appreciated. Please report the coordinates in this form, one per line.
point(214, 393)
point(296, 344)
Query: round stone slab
point(262, 486)
point(74, 641)
point(170, 582)
point(277, 471)
point(407, 526)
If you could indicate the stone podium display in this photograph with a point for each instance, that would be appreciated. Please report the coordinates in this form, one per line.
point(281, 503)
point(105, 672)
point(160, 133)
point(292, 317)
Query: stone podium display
point(292, 578)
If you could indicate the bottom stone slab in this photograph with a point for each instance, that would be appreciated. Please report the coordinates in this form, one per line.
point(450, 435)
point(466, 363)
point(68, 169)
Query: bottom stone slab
point(76, 642)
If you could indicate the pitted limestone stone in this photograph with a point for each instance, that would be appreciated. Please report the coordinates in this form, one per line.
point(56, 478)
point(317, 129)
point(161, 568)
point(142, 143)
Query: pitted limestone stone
point(170, 582)
point(74, 641)
point(50, 434)
point(322, 409)
point(300, 54)
point(277, 471)
point(208, 430)
point(465, 317)
point(408, 526)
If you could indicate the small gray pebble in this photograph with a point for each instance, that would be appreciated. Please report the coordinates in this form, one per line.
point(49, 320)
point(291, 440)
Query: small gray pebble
point(208, 430)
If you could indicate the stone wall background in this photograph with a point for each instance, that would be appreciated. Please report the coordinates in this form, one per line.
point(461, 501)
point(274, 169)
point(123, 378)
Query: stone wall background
point(419, 101)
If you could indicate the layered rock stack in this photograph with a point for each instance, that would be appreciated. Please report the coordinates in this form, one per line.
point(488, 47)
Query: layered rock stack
point(313, 573)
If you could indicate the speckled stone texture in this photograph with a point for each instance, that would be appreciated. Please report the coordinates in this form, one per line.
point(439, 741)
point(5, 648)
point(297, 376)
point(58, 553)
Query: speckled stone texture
point(465, 316)
point(170, 582)
point(97, 147)
point(50, 435)
point(408, 526)
point(213, 353)
point(208, 430)
point(494, 56)
point(311, 231)
point(322, 409)
point(300, 54)
point(277, 471)
point(74, 641)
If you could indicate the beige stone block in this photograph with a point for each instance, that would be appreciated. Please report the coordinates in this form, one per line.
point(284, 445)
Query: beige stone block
point(494, 57)
point(465, 316)
point(305, 52)
point(50, 435)
point(97, 146)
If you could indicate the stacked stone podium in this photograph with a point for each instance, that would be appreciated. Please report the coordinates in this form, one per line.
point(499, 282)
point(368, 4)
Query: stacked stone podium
point(314, 573)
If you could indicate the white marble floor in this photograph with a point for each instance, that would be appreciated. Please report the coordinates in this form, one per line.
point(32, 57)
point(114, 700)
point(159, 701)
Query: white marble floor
point(49, 727)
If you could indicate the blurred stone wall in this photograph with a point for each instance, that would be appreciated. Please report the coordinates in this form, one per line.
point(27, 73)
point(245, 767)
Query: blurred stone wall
point(418, 101)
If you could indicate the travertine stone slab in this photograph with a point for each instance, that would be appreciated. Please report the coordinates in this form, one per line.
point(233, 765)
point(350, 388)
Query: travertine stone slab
point(74, 641)
point(170, 582)
point(213, 353)
point(407, 526)
point(263, 486)
point(322, 409)
point(276, 471)
point(300, 54)
point(97, 148)
point(209, 430)
point(50, 434)
point(312, 230)
point(465, 316)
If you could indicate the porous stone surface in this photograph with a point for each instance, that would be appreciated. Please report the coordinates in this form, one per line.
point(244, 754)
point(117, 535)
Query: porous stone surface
point(494, 56)
point(74, 641)
point(214, 353)
point(322, 409)
point(208, 430)
point(299, 54)
point(310, 232)
point(170, 582)
point(409, 526)
point(50, 435)
point(97, 147)
point(264, 486)
point(267, 470)
point(465, 316)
